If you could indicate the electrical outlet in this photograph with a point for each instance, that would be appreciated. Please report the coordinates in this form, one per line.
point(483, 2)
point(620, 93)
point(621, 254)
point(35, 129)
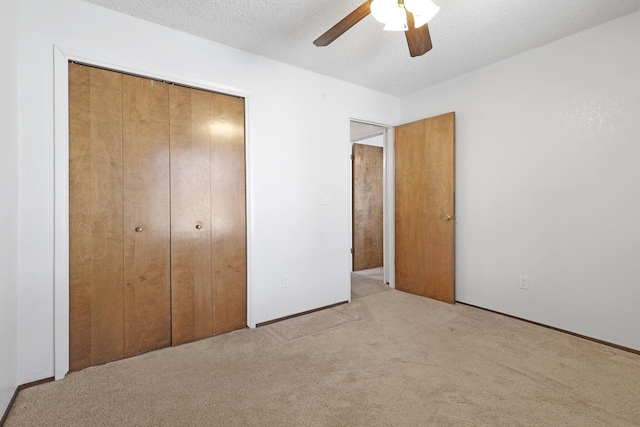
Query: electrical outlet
point(285, 281)
point(524, 282)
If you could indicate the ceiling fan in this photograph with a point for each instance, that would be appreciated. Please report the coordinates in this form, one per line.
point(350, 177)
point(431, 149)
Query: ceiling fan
point(410, 16)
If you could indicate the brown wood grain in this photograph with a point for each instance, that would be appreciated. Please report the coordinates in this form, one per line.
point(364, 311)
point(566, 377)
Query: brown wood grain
point(228, 213)
point(191, 280)
point(367, 207)
point(147, 307)
point(345, 24)
point(424, 195)
point(95, 217)
point(150, 164)
point(418, 39)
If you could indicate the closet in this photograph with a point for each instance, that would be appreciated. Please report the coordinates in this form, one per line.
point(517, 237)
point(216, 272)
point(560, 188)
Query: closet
point(156, 215)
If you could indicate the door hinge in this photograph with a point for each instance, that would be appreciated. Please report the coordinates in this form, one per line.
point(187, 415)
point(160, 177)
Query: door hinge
point(352, 157)
point(353, 251)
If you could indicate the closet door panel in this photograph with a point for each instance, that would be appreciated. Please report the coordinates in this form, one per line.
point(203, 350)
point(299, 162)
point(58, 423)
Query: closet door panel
point(229, 252)
point(147, 293)
point(95, 217)
point(192, 298)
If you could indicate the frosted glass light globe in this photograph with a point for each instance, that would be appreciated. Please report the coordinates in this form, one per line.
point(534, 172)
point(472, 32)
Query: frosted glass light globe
point(423, 11)
point(398, 21)
point(382, 10)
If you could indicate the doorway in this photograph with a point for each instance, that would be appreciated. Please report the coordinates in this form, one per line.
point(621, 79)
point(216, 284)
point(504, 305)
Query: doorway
point(419, 238)
point(369, 216)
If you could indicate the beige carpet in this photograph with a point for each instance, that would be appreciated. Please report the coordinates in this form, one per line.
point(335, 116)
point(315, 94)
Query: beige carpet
point(386, 359)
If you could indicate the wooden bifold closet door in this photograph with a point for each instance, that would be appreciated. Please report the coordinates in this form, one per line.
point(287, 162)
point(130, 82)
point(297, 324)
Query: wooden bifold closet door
point(157, 215)
point(208, 250)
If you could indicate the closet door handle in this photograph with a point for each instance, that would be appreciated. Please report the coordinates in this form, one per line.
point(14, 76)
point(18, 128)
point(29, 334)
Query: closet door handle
point(198, 226)
point(138, 229)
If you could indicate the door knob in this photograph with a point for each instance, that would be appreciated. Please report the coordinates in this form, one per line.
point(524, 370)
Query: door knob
point(447, 218)
point(138, 229)
point(198, 226)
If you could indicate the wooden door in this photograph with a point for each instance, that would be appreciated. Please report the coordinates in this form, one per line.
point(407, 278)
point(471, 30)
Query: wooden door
point(119, 216)
point(424, 198)
point(146, 218)
point(228, 213)
point(367, 207)
point(96, 301)
point(208, 246)
point(192, 293)
point(157, 215)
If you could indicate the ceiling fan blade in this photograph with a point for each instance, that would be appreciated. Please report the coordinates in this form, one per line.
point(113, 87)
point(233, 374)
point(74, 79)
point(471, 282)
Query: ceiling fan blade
point(341, 27)
point(418, 39)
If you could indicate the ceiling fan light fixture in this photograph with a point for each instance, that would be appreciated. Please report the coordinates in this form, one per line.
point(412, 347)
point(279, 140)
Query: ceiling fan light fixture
point(418, 39)
point(398, 20)
point(382, 10)
point(423, 11)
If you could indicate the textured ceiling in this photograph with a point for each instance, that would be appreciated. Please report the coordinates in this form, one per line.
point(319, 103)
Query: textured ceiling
point(466, 34)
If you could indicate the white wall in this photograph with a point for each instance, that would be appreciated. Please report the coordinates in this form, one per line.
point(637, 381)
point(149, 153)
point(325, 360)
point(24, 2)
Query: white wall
point(376, 141)
point(298, 135)
point(548, 168)
point(8, 201)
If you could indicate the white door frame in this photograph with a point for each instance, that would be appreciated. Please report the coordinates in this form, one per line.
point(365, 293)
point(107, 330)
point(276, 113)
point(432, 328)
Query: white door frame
point(62, 56)
point(388, 200)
